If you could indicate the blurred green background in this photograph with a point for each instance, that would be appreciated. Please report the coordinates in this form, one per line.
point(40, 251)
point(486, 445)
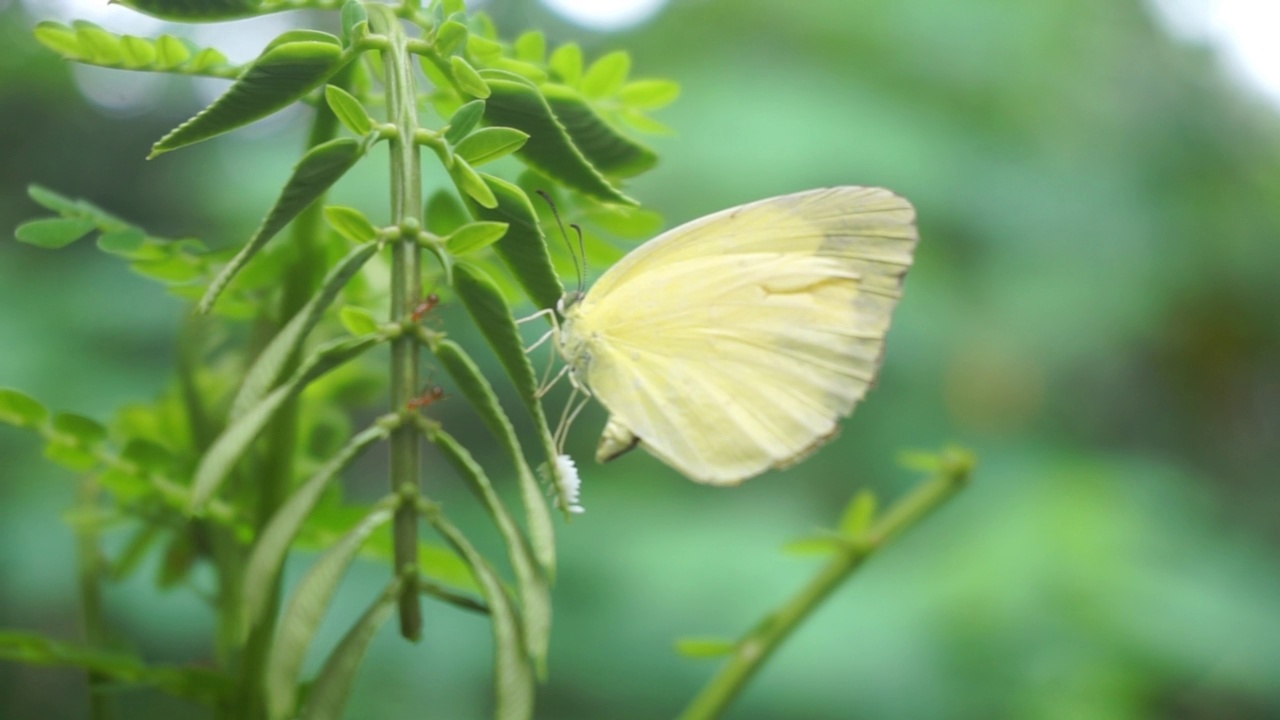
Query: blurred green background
point(1093, 310)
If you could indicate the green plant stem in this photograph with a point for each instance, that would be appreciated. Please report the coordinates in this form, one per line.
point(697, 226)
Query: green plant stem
point(90, 572)
point(274, 476)
point(756, 648)
point(406, 293)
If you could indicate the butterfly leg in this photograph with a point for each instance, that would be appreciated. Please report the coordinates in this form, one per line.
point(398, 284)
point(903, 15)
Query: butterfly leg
point(535, 316)
point(567, 417)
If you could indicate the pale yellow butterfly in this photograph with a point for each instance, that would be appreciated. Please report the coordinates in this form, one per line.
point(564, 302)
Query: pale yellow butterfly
point(734, 343)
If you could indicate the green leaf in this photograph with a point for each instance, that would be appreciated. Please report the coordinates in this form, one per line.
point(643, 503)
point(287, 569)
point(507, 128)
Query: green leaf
point(705, 648)
point(203, 686)
point(20, 409)
point(566, 63)
point(306, 609)
point(274, 541)
point(649, 94)
point(328, 695)
point(640, 122)
point(471, 184)
point(464, 121)
point(444, 213)
point(59, 203)
point(513, 676)
point(84, 431)
point(319, 169)
point(490, 144)
point(70, 455)
point(451, 35)
point(858, 515)
point(171, 52)
point(60, 39)
point(528, 71)
point(128, 244)
point(348, 109)
point(515, 102)
point(820, 545)
point(74, 442)
point(483, 49)
point(483, 25)
point(533, 588)
point(611, 152)
point(524, 248)
point(484, 302)
point(232, 444)
point(474, 236)
point(138, 52)
point(205, 61)
point(475, 387)
point(99, 46)
point(920, 461)
point(270, 365)
point(350, 223)
point(531, 47)
point(469, 81)
point(280, 76)
point(54, 233)
point(606, 76)
point(358, 320)
point(353, 14)
point(195, 10)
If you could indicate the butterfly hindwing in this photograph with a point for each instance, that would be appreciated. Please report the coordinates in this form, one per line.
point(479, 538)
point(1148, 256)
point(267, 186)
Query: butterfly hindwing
point(734, 343)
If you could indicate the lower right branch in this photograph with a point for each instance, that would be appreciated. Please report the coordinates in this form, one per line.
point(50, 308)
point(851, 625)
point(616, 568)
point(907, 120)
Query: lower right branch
point(953, 469)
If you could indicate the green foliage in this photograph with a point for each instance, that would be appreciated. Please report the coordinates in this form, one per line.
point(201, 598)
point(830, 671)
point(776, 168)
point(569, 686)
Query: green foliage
point(306, 609)
point(87, 43)
point(490, 144)
point(198, 10)
point(532, 585)
point(515, 102)
point(229, 448)
point(513, 677)
point(22, 410)
point(190, 683)
point(328, 696)
point(275, 540)
point(523, 249)
point(320, 168)
point(285, 72)
point(236, 467)
point(474, 236)
point(348, 109)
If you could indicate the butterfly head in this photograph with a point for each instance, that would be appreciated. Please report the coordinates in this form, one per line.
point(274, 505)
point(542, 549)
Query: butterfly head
point(568, 301)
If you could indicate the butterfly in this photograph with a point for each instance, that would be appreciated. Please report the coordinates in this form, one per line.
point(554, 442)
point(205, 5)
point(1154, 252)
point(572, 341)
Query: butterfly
point(733, 344)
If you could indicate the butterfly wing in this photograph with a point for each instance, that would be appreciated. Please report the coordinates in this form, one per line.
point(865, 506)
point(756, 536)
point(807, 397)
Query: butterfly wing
point(734, 343)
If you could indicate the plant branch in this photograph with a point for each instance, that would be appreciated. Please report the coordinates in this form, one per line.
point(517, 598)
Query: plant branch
point(90, 571)
point(754, 650)
point(406, 293)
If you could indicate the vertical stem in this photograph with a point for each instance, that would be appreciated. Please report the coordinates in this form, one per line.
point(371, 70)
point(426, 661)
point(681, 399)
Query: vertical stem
point(89, 561)
point(406, 292)
point(756, 648)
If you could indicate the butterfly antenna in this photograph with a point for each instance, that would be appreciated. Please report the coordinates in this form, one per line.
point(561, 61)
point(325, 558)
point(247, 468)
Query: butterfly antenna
point(578, 269)
point(582, 250)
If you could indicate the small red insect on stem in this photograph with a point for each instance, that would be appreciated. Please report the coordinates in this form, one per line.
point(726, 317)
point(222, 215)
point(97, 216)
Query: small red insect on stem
point(429, 396)
point(424, 307)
